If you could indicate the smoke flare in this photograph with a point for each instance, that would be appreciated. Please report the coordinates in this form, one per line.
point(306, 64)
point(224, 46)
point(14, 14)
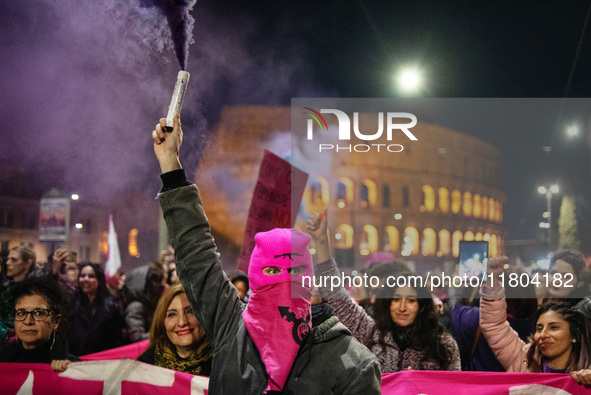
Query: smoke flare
point(181, 25)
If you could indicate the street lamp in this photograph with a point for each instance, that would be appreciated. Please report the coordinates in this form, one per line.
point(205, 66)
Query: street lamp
point(572, 131)
point(548, 214)
point(409, 80)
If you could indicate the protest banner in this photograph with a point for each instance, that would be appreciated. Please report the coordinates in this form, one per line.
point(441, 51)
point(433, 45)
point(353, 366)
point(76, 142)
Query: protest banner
point(275, 201)
point(114, 377)
point(131, 351)
point(126, 377)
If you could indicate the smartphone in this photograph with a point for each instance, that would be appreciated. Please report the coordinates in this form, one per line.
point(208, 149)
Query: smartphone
point(73, 257)
point(473, 258)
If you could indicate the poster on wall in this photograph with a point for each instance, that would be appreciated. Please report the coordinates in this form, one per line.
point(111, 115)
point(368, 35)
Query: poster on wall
point(54, 219)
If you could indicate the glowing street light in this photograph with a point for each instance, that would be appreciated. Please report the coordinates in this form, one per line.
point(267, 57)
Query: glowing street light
point(572, 131)
point(409, 80)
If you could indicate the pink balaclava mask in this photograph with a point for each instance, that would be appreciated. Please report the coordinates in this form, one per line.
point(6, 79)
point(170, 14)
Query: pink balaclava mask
point(278, 316)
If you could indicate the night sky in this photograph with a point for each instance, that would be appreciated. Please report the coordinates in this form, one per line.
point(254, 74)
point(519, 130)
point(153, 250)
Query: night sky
point(85, 82)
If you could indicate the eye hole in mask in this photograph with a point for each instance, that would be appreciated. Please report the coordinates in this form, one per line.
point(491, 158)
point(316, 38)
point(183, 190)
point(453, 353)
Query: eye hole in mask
point(275, 271)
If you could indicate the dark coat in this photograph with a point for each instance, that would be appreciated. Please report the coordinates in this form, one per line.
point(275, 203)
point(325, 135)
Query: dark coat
point(330, 361)
point(90, 333)
point(14, 352)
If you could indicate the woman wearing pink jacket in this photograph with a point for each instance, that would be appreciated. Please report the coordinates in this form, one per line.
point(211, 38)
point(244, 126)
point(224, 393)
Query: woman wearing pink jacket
point(561, 342)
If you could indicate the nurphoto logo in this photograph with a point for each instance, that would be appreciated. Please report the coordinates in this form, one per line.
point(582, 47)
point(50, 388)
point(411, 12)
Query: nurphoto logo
point(394, 123)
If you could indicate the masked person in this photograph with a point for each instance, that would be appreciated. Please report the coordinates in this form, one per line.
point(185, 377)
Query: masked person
point(268, 345)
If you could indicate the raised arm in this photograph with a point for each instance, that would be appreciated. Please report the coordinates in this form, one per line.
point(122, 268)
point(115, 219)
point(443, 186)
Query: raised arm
point(211, 294)
point(168, 144)
point(345, 308)
point(505, 343)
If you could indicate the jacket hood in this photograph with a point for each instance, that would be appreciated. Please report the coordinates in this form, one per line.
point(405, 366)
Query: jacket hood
point(135, 283)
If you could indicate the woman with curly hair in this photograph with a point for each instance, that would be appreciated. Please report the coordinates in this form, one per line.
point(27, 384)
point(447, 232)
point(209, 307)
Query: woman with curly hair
point(405, 331)
point(38, 310)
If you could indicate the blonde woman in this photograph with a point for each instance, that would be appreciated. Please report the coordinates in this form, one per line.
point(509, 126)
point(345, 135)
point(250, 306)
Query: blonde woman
point(177, 339)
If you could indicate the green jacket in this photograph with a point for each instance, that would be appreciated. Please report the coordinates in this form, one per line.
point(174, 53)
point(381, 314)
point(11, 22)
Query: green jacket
point(331, 361)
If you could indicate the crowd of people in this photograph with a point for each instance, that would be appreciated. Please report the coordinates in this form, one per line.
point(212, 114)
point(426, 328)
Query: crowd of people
point(266, 331)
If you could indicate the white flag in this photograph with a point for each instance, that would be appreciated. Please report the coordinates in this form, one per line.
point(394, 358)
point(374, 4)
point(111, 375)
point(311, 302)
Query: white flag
point(114, 259)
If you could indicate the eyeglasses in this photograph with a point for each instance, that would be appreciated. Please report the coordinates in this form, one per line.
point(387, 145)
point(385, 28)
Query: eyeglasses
point(37, 314)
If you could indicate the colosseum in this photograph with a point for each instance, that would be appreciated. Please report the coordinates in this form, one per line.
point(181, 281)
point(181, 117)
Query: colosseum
point(418, 203)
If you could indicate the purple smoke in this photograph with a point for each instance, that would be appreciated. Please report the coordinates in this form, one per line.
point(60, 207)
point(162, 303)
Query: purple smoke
point(85, 86)
point(181, 25)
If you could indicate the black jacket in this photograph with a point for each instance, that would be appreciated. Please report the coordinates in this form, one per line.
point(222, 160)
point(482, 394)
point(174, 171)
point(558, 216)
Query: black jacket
point(89, 333)
point(14, 352)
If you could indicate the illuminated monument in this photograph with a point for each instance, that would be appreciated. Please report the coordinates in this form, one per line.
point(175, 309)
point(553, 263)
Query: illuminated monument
point(418, 203)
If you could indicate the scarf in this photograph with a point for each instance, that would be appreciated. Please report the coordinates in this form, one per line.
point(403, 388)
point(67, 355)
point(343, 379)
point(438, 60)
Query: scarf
point(198, 363)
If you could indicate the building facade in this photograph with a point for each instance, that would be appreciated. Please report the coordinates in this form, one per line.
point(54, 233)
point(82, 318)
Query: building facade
point(418, 203)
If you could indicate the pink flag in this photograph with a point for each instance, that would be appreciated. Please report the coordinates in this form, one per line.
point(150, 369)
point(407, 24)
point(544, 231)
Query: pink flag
point(131, 351)
point(114, 260)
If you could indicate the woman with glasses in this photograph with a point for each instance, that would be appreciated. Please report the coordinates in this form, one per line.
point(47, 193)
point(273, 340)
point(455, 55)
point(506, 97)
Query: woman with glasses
point(177, 339)
point(38, 311)
point(96, 323)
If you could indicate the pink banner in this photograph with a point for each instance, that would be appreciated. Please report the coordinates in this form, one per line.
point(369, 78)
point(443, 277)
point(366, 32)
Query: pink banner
point(480, 383)
point(124, 376)
point(131, 351)
point(131, 377)
point(275, 202)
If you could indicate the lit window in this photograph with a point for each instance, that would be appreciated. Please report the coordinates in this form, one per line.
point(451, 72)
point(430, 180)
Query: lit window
point(428, 198)
point(493, 245)
point(467, 206)
point(132, 246)
point(443, 200)
point(456, 201)
point(370, 238)
point(346, 239)
point(491, 209)
point(104, 243)
point(444, 242)
point(429, 244)
point(411, 241)
point(393, 238)
point(477, 209)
